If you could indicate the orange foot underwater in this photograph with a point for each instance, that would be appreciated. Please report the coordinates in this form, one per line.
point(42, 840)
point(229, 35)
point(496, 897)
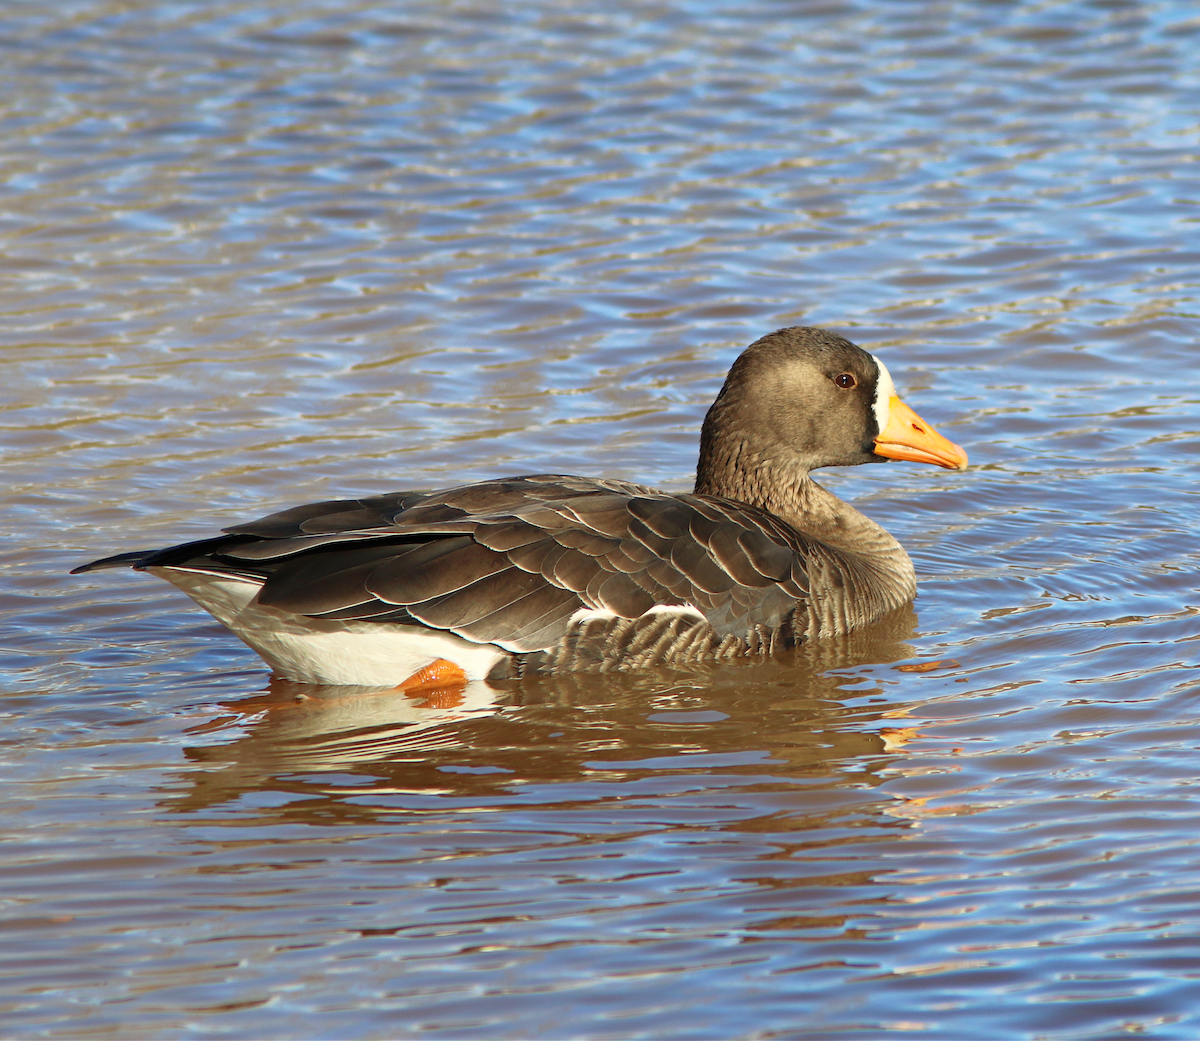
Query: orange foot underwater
point(439, 685)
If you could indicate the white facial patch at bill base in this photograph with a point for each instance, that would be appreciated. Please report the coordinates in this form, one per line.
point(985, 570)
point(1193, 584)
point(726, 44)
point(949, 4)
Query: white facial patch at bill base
point(885, 390)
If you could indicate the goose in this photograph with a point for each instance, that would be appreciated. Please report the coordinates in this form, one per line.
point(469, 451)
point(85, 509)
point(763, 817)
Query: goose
point(549, 573)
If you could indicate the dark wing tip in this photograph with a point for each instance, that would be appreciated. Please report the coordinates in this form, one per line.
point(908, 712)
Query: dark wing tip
point(119, 560)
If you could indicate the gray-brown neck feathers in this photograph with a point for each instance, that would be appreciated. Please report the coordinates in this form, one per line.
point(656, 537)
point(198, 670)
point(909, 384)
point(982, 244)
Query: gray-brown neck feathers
point(857, 571)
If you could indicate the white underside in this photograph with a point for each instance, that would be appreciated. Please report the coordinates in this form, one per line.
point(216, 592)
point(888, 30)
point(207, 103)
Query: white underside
point(368, 654)
point(316, 650)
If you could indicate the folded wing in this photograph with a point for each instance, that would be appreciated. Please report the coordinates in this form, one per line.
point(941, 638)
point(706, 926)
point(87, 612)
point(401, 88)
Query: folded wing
point(512, 561)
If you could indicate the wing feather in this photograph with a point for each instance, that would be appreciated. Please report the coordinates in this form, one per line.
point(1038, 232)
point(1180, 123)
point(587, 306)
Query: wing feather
point(435, 569)
point(331, 581)
point(573, 570)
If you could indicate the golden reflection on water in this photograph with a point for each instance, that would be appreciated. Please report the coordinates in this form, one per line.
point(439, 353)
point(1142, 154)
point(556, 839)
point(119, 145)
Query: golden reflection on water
point(489, 738)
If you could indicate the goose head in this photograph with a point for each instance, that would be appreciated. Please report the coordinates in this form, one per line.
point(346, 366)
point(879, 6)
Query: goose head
point(802, 398)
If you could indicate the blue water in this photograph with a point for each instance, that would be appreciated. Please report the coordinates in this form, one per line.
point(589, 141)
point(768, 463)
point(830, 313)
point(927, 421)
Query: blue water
point(260, 254)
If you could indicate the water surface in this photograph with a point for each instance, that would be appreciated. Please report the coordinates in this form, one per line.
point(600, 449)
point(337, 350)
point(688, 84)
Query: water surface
point(257, 254)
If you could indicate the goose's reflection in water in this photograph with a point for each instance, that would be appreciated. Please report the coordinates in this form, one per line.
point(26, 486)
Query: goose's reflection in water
point(322, 744)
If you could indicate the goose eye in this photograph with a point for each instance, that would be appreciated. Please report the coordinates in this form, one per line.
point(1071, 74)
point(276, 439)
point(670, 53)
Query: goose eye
point(845, 379)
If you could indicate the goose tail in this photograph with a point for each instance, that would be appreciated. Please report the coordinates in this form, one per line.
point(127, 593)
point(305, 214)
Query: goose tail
point(133, 560)
point(140, 559)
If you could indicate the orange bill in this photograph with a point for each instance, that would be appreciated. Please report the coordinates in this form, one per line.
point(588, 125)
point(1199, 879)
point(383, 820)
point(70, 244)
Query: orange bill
point(908, 436)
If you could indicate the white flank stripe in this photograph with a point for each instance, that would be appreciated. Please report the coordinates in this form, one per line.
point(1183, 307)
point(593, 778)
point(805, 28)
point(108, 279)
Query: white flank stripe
point(585, 614)
point(688, 611)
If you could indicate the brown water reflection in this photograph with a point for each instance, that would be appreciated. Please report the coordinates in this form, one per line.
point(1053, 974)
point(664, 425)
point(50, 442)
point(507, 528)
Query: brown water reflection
point(484, 740)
